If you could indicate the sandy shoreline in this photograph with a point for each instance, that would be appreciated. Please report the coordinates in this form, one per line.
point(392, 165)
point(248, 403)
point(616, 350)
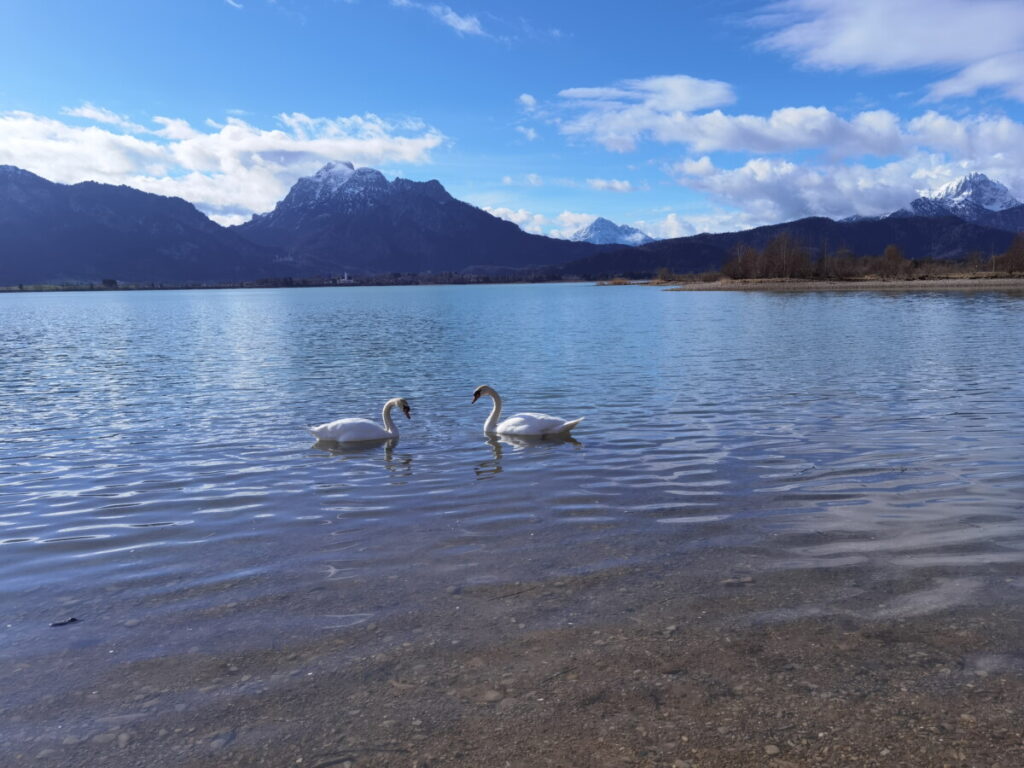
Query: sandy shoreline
point(782, 286)
point(684, 664)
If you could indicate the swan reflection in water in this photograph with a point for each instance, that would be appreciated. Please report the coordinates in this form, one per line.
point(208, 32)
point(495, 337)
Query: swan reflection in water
point(401, 464)
point(497, 443)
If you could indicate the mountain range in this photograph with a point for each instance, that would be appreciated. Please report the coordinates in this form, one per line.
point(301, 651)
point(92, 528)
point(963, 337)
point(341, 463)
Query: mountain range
point(975, 198)
point(972, 213)
point(87, 232)
point(601, 231)
point(355, 220)
point(344, 219)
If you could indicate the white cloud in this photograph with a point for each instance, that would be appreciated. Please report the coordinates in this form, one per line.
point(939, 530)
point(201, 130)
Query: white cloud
point(668, 227)
point(96, 114)
point(769, 190)
point(614, 118)
point(534, 180)
point(568, 223)
point(564, 225)
point(700, 167)
point(618, 116)
point(983, 37)
point(867, 163)
point(234, 3)
point(527, 221)
point(527, 102)
point(615, 185)
point(937, 149)
point(1005, 72)
point(232, 169)
point(529, 133)
point(175, 128)
point(464, 25)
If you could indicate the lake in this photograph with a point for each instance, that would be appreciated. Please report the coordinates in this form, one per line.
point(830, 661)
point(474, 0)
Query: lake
point(760, 479)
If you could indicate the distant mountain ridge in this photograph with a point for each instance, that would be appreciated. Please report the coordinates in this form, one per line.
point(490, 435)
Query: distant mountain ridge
point(347, 219)
point(88, 232)
point(971, 193)
point(602, 231)
point(975, 198)
point(972, 213)
point(355, 220)
point(919, 237)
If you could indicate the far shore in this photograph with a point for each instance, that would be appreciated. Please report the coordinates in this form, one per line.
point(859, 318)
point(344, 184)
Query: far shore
point(784, 286)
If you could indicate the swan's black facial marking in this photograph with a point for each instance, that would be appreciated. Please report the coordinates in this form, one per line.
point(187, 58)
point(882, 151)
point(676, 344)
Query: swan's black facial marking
point(476, 395)
point(406, 410)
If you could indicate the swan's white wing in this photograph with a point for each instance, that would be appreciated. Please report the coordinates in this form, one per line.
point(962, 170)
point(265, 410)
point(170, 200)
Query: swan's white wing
point(535, 424)
point(350, 431)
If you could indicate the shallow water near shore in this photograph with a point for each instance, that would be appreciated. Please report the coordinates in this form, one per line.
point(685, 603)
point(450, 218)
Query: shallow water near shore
point(779, 510)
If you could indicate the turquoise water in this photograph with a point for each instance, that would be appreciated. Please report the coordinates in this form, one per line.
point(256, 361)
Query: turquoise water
point(155, 468)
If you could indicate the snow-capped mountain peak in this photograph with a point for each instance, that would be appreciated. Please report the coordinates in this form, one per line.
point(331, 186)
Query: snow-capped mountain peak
point(975, 189)
point(334, 175)
point(337, 183)
point(601, 231)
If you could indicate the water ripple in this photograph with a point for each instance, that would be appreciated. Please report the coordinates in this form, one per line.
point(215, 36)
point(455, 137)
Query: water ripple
point(152, 445)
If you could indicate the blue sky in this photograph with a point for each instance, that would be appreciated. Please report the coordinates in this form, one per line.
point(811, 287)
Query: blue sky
point(702, 116)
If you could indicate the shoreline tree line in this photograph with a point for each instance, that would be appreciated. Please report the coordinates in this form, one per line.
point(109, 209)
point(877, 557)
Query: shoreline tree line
point(784, 257)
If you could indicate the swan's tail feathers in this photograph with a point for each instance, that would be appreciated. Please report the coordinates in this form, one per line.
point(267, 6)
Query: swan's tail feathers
point(569, 425)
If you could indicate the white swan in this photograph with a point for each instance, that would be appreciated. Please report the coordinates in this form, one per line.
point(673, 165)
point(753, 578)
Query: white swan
point(523, 424)
point(361, 430)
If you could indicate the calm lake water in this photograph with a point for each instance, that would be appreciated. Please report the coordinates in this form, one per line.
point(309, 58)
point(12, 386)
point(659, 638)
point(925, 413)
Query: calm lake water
point(157, 482)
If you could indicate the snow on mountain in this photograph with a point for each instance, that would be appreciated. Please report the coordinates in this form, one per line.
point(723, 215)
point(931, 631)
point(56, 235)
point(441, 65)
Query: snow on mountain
point(975, 189)
point(346, 219)
point(333, 176)
point(975, 198)
point(604, 232)
point(334, 182)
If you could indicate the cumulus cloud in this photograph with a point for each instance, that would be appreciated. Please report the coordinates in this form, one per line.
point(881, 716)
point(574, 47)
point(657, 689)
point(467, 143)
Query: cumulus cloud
point(700, 167)
point(668, 227)
point(615, 185)
point(533, 223)
point(664, 110)
point(564, 225)
point(96, 114)
point(568, 223)
point(464, 25)
point(230, 169)
point(618, 116)
point(939, 149)
point(984, 38)
point(528, 133)
point(527, 102)
point(769, 190)
point(866, 163)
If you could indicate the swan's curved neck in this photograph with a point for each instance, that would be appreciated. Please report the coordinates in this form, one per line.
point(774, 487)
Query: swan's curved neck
point(389, 425)
point(492, 421)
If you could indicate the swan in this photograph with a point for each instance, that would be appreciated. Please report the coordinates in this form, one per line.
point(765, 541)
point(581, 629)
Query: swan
point(361, 430)
point(522, 424)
